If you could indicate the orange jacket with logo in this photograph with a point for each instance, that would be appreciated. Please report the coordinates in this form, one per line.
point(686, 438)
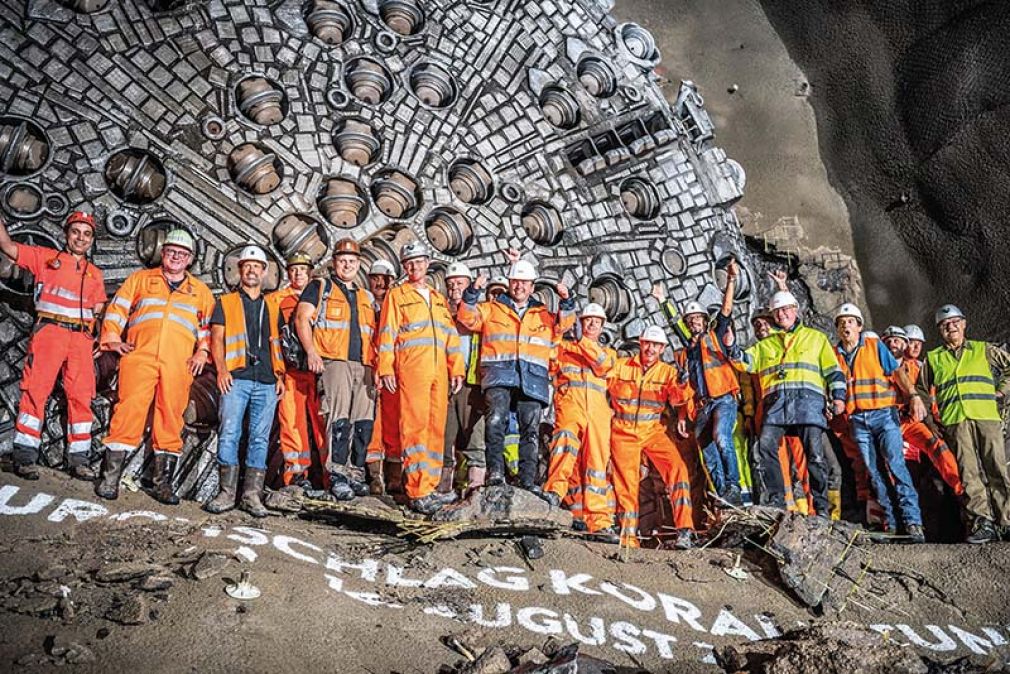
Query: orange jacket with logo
point(417, 338)
point(66, 289)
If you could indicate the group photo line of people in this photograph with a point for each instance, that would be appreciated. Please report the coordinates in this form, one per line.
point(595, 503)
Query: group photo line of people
point(400, 390)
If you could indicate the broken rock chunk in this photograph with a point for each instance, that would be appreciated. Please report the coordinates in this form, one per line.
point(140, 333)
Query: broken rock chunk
point(129, 610)
point(119, 573)
point(210, 564)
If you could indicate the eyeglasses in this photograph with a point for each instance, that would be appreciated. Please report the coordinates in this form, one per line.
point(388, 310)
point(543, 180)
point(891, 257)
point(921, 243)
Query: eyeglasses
point(177, 253)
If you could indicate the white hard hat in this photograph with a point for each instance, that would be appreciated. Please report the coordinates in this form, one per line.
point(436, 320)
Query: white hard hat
point(458, 269)
point(694, 308)
point(947, 311)
point(252, 253)
point(849, 309)
point(868, 334)
point(412, 251)
point(913, 331)
point(782, 299)
point(180, 238)
point(895, 331)
point(654, 333)
point(593, 310)
point(498, 281)
point(381, 268)
point(522, 271)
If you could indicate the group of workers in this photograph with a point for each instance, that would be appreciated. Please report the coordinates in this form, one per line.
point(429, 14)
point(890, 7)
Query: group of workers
point(393, 387)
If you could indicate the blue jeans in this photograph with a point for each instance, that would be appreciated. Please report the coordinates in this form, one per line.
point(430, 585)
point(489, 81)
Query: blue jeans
point(714, 430)
point(261, 401)
point(878, 435)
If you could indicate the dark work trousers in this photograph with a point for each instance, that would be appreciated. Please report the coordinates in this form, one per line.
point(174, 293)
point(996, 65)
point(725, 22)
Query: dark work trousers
point(771, 473)
point(500, 401)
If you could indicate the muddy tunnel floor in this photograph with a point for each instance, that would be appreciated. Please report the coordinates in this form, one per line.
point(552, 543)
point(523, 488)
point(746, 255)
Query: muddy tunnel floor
point(134, 585)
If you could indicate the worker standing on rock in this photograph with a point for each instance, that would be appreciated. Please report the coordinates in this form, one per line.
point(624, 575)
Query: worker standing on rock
point(69, 294)
point(464, 430)
point(714, 382)
point(518, 336)
point(580, 447)
point(165, 313)
point(874, 379)
point(246, 346)
point(641, 387)
point(796, 365)
point(298, 415)
point(420, 360)
point(960, 371)
point(335, 321)
point(381, 466)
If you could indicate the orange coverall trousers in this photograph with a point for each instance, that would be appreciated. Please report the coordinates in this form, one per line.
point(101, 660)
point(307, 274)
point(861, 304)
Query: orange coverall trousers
point(298, 416)
point(144, 379)
point(423, 403)
point(628, 443)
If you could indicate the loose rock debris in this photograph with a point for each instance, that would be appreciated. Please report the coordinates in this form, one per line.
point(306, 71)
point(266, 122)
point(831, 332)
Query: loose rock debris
point(507, 659)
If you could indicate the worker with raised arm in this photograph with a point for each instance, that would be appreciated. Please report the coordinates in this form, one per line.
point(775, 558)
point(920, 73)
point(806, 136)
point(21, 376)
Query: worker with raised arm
point(69, 295)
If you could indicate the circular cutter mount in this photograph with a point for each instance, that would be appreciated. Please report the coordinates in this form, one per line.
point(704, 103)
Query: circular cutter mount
point(470, 125)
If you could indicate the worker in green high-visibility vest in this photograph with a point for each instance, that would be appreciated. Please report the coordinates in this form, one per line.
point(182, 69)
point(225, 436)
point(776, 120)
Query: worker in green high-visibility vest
point(959, 377)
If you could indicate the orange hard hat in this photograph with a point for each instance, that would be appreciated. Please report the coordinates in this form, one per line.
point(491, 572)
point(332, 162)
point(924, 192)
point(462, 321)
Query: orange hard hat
point(347, 246)
point(80, 217)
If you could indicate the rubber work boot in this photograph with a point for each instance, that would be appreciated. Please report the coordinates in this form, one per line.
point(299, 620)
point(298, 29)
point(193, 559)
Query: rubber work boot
point(835, 504)
point(80, 467)
point(427, 505)
point(495, 478)
point(341, 489)
point(252, 492)
point(26, 471)
point(393, 471)
point(446, 498)
point(475, 478)
point(982, 532)
point(608, 535)
point(684, 540)
point(734, 496)
point(915, 533)
point(357, 487)
point(226, 488)
point(164, 471)
point(552, 499)
point(579, 525)
point(112, 468)
point(445, 479)
point(376, 483)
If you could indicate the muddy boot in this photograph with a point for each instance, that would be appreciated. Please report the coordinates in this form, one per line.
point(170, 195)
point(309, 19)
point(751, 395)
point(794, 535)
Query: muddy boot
point(376, 483)
point(552, 498)
point(608, 535)
point(982, 532)
point(25, 462)
point(164, 471)
point(226, 487)
point(427, 505)
point(393, 471)
point(252, 491)
point(684, 540)
point(340, 488)
point(80, 467)
point(475, 478)
point(445, 480)
point(916, 534)
point(26, 471)
point(112, 468)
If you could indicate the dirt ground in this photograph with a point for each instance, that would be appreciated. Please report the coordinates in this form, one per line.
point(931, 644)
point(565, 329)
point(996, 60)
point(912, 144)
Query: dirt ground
point(138, 586)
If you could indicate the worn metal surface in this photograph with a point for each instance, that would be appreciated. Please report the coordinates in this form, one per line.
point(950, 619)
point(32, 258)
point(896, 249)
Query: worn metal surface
point(470, 125)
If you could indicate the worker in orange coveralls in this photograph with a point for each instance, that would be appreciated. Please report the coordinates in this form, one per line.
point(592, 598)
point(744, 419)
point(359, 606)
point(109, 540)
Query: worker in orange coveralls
point(580, 448)
point(298, 416)
point(69, 293)
point(641, 386)
point(165, 313)
point(420, 359)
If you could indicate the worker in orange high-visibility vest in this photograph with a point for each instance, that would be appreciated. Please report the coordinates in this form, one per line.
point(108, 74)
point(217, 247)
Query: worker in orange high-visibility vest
point(420, 360)
point(382, 460)
point(246, 346)
point(580, 446)
point(518, 337)
point(715, 384)
point(640, 387)
point(69, 293)
point(165, 314)
point(298, 416)
point(872, 407)
point(335, 320)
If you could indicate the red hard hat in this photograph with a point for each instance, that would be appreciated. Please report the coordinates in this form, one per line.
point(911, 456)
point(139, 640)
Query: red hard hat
point(80, 217)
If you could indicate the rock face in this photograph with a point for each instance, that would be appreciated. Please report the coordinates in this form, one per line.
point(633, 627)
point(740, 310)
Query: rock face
point(911, 106)
point(468, 126)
